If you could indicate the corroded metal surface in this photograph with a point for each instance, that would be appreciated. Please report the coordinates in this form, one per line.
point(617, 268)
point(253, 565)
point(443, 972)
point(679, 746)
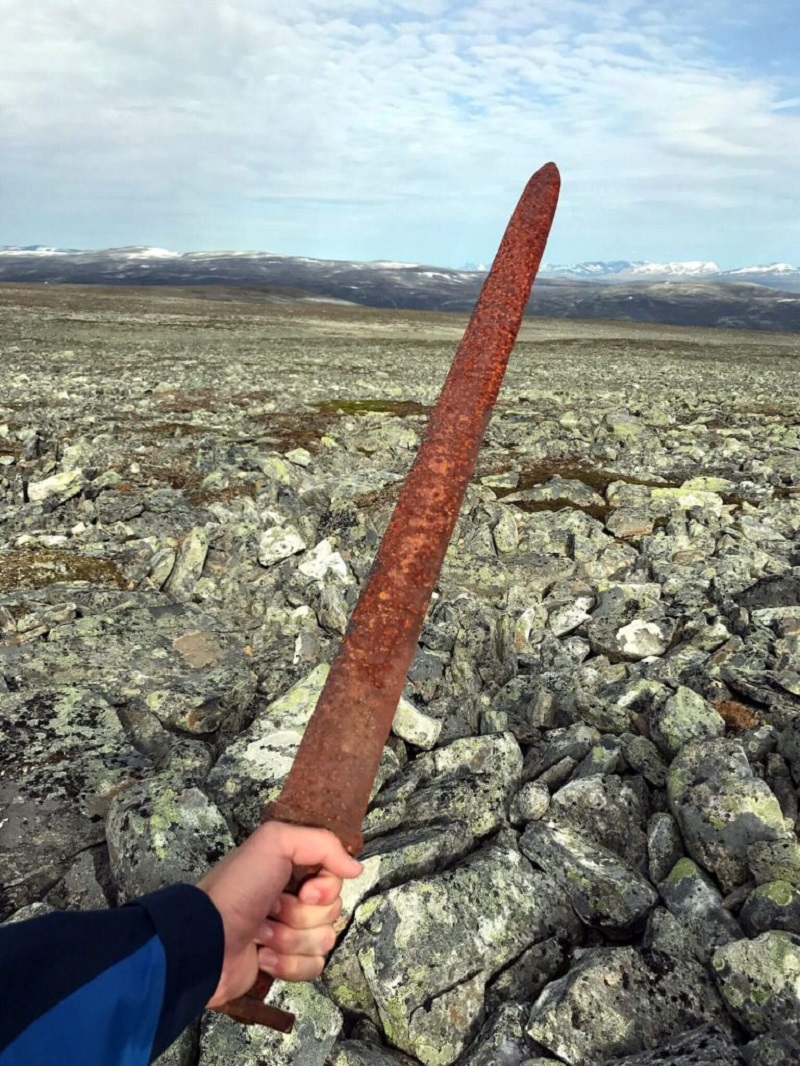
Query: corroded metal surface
point(330, 782)
point(331, 779)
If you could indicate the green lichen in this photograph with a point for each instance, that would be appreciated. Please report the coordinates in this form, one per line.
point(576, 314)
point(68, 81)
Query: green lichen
point(683, 868)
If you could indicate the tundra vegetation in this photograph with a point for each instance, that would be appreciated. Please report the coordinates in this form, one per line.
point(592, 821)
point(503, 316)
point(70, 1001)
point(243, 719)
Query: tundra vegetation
point(582, 847)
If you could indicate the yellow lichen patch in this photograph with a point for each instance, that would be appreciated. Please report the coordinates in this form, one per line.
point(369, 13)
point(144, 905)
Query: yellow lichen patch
point(46, 566)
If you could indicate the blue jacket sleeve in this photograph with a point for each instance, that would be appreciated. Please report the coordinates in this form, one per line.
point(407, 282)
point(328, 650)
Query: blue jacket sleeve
point(107, 988)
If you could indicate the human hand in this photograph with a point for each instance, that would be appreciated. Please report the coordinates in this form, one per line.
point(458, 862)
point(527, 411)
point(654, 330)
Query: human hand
point(265, 928)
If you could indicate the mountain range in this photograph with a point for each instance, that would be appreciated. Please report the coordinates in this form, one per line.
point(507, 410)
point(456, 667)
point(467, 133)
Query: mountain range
point(693, 293)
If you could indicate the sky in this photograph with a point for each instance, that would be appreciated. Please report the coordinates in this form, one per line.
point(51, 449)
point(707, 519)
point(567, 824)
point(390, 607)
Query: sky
point(365, 129)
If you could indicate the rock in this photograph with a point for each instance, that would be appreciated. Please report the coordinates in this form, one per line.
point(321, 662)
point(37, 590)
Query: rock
point(697, 904)
point(530, 803)
point(605, 811)
point(641, 755)
point(359, 1053)
point(251, 770)
point(223, 1041)
point(620, 1001)
point(158, 836)
point(415, 727)
point(684, 717)
point(64, 756)
point(470, 781)
point(773, 905)
point(779, 1047)
point(775, 860)
point(188, 566)
point(664, 846)
point(501, 1041)
point(640, 639)
point(417, 959)
point(706, 1046)
point(279, 543)
point(721, 808)
point(524, 978)
point(605, 892)
point(760, 979)
point(57, 489)
point(404, 855)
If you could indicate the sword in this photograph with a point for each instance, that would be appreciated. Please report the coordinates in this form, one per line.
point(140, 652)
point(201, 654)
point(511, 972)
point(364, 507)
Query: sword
point(334, 769)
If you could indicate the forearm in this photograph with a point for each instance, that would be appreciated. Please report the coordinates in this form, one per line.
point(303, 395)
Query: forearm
point(107, 986)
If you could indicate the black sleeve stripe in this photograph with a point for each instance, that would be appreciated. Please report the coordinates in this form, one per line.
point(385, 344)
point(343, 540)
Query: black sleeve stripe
point(190, 928)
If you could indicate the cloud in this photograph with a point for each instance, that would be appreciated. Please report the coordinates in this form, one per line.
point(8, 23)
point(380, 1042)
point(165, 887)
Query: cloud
point(358, 129)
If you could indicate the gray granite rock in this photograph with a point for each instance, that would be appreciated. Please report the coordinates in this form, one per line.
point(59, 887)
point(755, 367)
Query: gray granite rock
point(705, 1046)
point(684, 717)
point(760, 979)
point(158, 835)
point(604, 890)
point(697, 904)
point(721, 808)
point(618, 1001)
point(417, 958)
point(772, 905)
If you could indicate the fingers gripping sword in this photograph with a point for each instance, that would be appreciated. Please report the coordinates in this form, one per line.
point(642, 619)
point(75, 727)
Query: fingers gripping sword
point(332, 776)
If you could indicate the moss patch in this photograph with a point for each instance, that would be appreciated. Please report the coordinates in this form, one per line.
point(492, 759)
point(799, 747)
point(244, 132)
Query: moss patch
point(37, 569)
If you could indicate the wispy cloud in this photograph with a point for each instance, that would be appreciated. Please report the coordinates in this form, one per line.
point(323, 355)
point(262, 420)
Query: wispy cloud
point(356, 128)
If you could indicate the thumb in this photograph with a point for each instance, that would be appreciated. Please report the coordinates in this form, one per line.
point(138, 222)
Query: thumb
point(302, 846)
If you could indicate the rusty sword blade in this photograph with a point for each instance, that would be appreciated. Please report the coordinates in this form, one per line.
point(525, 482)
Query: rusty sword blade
point(330, 782)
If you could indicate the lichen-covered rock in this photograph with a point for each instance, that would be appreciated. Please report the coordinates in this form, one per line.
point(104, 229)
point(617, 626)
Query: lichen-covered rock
point(471, 780)
point(63, 756)
point(57, 489)
point(189, 563)
point(158, 835)
point(530, 803)
point(416, 727)
point(664, 846)
point(251, 770)
point(619, 1001)
point(760, 979)
point(318, 1024)
point(706, 1046)
point(403, 855)
point(697, 904)
point(501, 1041)
point(684, 717)
point(360, 1053)
point(279, 543)
point(775, 860)
point(417, 958)
point(773, 905)
point(524, 978)
point(641, 754)
point(157, 662)
point(721, 808)
point(778, 1047)
point(605, 891)
point(605, 810)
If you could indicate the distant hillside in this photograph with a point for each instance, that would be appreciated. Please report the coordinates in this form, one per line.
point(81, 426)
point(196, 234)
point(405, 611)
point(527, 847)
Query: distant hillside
point(696, 294)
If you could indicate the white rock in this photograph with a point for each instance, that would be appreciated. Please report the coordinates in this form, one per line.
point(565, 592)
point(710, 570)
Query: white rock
point(412, 725)
point(66, 484)
point(322, 560)
point(279, 543)
point(641, 639)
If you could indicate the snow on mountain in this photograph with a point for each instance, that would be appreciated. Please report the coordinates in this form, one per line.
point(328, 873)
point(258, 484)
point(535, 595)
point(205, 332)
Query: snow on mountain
point(623, 267)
